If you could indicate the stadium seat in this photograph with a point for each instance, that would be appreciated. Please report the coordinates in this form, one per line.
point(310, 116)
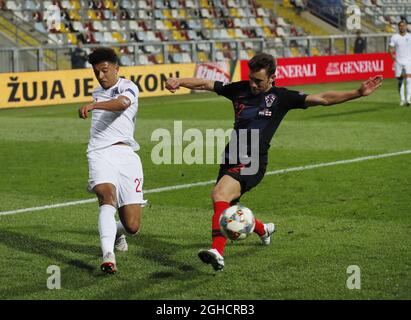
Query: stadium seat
point(174, 4)
point(117, 37)
point(143, 25)
point(133, 25)
point(180, 14)
point(190, 4)
point(219, 56)
point(239, 34)
point(231, 33)
point(107, 37)
point(151, 36)
point(13, 5)
point(238, 23)
point(243, 55)
point(287, 4)
point(72, 38)
point(315, 52)
point(143, 4)
point(39, 26)
point(261, 12)
point(98, 26)
point(115, 25)
point(208, 24)
point(204, 4)
point(126, 36)
point(280, 32)
point(192, 35)
point(159, 58)
point(203, 47)
point(74, 15)
point(143, 60)
point(294, 52)
point(166, 13)
point(186, 58)
point(31, 5)
point(143, 14)
point(108, 4)
point(75, 4)
point(91, 14)
point(66, 4)
point(55, 38)
point(253, 22)
point(177, 35)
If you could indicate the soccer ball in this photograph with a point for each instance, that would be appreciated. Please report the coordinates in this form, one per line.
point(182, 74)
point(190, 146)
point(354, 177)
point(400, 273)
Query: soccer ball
point(237, 222)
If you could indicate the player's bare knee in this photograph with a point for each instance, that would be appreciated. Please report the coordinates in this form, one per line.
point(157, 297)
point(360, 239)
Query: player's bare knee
point(107, 198)
point(219, 194)
point(132, 228)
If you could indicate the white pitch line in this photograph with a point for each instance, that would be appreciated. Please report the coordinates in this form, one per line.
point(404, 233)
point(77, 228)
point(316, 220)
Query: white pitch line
point(204, 183)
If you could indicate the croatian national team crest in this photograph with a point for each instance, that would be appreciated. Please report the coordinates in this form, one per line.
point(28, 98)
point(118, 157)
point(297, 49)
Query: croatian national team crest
point(269, 100)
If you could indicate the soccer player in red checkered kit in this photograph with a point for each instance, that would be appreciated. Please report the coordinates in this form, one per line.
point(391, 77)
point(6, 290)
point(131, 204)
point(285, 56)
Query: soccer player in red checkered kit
point(115, 170)
point(258, 106)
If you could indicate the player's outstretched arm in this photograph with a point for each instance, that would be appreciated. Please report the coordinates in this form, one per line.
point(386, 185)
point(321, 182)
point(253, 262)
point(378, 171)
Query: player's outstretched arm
point(119, 104)
point(334, 97)
point(174, 84)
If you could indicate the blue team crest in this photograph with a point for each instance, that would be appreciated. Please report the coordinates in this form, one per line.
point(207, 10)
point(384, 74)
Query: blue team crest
point(269, 100)
point(114, 92)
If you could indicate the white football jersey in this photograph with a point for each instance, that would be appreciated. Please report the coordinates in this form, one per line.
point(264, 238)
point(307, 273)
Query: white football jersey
point(402, 45)
point(108, 127)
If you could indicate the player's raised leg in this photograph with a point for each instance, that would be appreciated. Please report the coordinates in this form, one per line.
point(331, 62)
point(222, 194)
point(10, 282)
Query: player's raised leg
point(226, 190)
point(130, 196)
point(106, 194)
point(130, 221)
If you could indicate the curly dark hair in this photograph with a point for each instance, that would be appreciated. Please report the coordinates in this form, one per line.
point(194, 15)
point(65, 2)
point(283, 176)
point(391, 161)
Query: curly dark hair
point(263, 61)
point(103, 55)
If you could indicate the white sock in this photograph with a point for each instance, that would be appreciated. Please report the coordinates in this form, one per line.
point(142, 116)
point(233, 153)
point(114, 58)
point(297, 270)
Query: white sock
point(402, 91)
point(120, 229)
point(107, 228)
point(408, 89)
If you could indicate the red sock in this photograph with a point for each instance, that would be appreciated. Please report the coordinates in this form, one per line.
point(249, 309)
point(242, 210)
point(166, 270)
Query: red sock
point(259, 228)
point(219, 240)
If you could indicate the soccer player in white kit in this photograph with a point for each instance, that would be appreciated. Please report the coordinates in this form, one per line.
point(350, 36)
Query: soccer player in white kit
point(115, 170)
point(400, 50)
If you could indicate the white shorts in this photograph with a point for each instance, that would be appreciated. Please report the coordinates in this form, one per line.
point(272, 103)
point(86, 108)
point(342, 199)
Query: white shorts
point(402, 67)
point(120, 166)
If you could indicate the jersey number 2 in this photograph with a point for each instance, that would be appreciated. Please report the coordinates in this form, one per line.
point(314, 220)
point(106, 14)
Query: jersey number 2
point(138, 181)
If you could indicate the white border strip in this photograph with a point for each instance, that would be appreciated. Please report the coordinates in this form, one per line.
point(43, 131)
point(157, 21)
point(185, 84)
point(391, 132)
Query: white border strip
point(205, 183)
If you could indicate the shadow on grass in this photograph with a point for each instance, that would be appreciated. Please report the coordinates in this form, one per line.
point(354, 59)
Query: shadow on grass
point(163, 253)
point(177, 272)
point(176, 269)
point(48, 248)
point(51, 251)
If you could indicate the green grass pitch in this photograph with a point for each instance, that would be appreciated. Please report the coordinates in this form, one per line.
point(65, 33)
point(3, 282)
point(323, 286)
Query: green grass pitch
point(327, 218)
